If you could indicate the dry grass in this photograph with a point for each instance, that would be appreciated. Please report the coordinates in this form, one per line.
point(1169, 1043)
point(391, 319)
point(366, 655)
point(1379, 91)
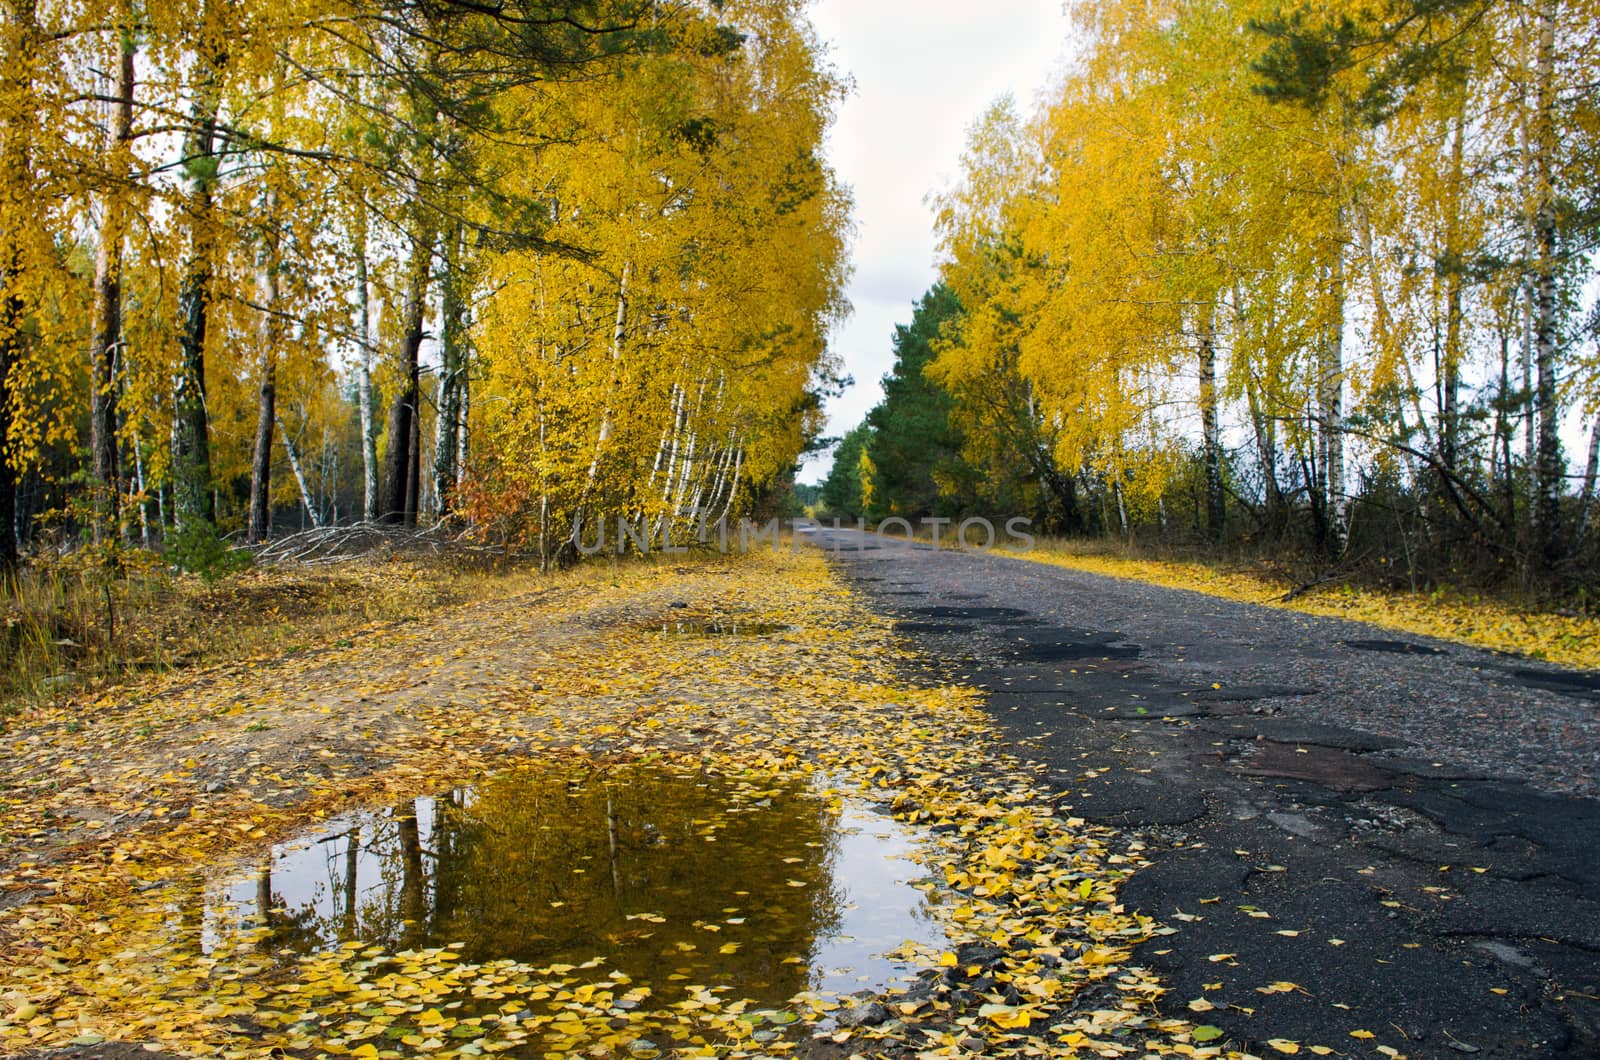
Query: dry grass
point(68, 628)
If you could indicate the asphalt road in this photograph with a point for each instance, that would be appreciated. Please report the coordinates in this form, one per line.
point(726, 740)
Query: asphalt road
point(1425, 897)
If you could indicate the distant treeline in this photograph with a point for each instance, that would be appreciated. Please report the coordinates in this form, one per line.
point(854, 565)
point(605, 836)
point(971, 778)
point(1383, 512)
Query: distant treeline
point(1309, 280)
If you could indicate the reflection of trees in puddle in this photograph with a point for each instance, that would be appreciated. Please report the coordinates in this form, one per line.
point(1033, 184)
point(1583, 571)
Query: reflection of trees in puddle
point(661, 873)
point(368, 882)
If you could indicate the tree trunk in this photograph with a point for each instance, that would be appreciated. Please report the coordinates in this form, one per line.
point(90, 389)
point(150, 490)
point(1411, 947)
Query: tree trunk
point(1330, 397)
point(1450, 428)
point(1586, 500)
point(1503, 429)
point(397, 454)
point(19, 47)
point(1216, 510)
point(544, 494)
point(1122, 507)
point(138, 486)
point(1549, 467)
point(261, 456)
point(1525, 137)
point(266, 402)
point(369, 425)
point(414, 470)
point(733, 481)
point(299, 475)
point(619, 332)
point(1266, 449)
point(667, 450)
point(105, 336)
point(191, 443)
point(12, 313)
point(451, 371)
point(463, 418)
point(675, 506)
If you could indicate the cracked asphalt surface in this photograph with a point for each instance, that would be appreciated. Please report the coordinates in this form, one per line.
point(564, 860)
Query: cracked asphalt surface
point(1444, 906)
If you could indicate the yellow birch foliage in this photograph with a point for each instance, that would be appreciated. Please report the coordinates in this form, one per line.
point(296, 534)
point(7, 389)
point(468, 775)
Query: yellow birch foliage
point(663, 372)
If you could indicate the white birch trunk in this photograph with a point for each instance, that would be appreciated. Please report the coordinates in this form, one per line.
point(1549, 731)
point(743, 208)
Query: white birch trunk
point(299, 476)
point(733, 482)
point(618, 333)
point(657, 464)
point(1586, 501)
point(465, 407)
point(369, 431)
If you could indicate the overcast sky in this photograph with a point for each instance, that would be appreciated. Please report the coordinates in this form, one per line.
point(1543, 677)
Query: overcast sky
point(923, 71)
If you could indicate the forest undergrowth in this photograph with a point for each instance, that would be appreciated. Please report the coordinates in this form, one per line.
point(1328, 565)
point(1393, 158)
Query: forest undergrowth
point(77, 623)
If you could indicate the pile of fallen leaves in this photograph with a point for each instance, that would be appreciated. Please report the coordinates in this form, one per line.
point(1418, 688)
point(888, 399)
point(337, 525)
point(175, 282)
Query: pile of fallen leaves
point(117, 816)
point(1571, 640)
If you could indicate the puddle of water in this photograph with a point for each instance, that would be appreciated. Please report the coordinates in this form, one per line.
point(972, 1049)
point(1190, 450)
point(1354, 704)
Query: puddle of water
point(755, 883)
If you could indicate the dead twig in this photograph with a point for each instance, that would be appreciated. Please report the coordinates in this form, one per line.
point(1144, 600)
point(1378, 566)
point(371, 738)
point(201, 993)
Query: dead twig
point(334, 544)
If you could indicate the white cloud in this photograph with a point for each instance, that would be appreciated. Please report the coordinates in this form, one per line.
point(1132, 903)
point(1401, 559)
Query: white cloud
point(923, 72)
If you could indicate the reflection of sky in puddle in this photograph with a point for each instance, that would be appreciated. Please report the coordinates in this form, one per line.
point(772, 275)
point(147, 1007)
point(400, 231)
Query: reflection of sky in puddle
point(673, 878)
point(873, 866)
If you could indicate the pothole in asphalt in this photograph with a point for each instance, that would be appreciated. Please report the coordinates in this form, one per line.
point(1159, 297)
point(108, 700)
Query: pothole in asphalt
point(1323, 766)
point(757, 884)
point(945, 611)
point(1397, 647)
point(1249, 693)
point(933, 627)
point(1573, 683)
point(1067, 651)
